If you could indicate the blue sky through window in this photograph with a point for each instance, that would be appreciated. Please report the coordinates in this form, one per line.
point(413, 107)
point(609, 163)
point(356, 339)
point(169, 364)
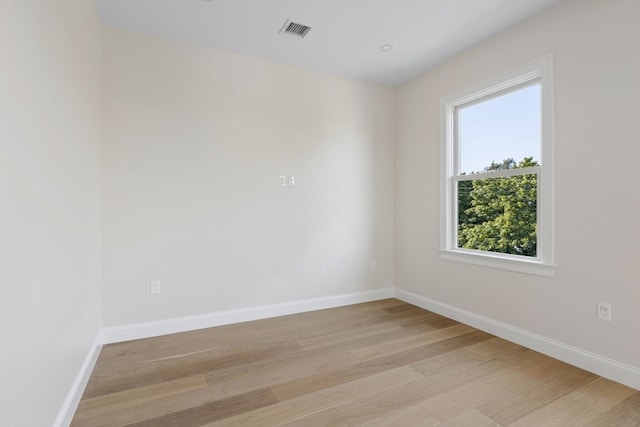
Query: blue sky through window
point(500, 128)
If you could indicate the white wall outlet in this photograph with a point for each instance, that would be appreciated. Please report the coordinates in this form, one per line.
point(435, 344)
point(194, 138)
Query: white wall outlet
point(372, 265)
point(292, 181)
point(282, 181)
point(604, 312)
point(154, 287)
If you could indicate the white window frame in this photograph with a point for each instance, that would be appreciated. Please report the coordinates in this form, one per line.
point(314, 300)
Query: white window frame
point(538, 71)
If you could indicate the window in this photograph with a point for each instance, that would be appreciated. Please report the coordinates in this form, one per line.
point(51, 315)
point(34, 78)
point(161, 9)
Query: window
point(496, 207)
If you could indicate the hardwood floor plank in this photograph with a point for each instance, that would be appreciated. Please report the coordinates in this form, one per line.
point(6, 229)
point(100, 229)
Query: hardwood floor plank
point(445, 363)
point(368, 409)
point(436, 383)
point(402, 308)
point(409, 416)
point(143, 349)
point(625, 413)
point(490, 380)
point(462, 367)
point(99, 407)
point(213, 411)
point(307, 325)
point(494, 346)
point(318, 401)
point(342, 336)
point(328, 418)
point(564, 412)
point(470, 418)
point(278, 372)
point(371, 367)
point(186, 401)
point(396, 346)
point(602, 394)
point(415, 317)
point(149, 373)
point(381, 336)
point(442, 322)
point(545, 383)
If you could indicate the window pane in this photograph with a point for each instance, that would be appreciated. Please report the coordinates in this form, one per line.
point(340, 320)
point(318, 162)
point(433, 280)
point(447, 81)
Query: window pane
point(498, 129)
point(498, 214)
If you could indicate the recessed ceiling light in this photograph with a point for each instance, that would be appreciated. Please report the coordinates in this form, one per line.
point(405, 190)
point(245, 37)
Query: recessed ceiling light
point(386, 47)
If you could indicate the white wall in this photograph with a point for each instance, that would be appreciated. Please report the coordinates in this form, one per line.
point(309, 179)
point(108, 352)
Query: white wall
point(195, 140)
point(50, 241)
point(597, 147)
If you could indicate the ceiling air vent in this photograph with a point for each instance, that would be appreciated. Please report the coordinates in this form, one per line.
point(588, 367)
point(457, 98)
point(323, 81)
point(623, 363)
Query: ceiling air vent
point(294, 29)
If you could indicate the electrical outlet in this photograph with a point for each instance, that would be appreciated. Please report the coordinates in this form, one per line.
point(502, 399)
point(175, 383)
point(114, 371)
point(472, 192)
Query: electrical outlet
point(282, 181)
point(604, 312)
point(372, 265)
point(292, 181)
point(154, 287)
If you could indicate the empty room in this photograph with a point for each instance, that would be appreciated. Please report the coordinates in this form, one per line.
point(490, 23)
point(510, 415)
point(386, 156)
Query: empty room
point(319, 213)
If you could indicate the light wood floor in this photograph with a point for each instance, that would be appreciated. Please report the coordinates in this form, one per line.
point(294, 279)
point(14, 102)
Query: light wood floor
point(385, 363)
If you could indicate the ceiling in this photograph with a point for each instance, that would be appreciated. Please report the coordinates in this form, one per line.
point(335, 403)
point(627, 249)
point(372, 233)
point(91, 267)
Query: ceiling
point(345, 35)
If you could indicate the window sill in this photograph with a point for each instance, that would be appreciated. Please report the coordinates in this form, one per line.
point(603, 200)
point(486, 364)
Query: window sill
point(503, 262)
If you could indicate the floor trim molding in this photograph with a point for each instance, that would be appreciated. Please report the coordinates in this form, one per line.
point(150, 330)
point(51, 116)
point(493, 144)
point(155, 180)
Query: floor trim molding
point(190, 323)
point(600, 365)
point(68, 409)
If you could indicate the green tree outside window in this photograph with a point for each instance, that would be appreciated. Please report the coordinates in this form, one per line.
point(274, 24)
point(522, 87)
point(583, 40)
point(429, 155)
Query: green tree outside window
point(499, 214)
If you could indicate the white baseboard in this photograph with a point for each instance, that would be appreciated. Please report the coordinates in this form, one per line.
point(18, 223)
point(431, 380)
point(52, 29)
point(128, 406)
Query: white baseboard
point(190, 323)
point(605, 367)
point(77, 388)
